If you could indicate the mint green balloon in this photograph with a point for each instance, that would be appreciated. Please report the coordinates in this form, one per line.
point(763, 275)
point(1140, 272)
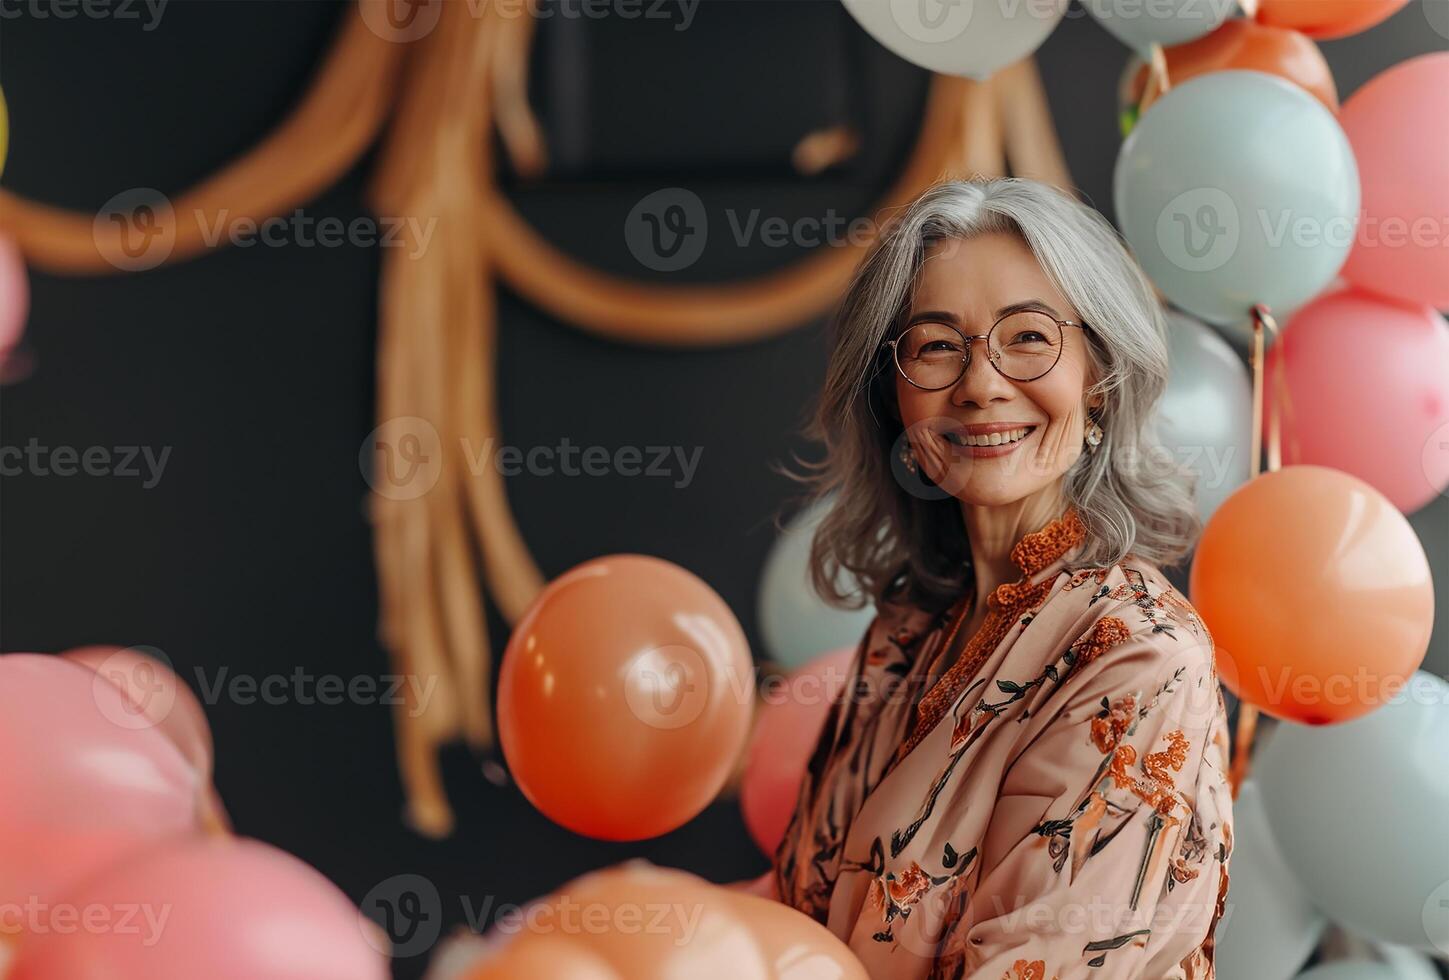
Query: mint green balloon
point(1271, 927)
point(1358, 810)
point(1235, 188)
point(797, 625)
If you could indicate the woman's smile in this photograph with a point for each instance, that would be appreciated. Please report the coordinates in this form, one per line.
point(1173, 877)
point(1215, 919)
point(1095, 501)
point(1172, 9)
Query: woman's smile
point(989, 441)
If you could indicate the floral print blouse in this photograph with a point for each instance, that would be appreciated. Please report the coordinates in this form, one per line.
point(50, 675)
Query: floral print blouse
point(1054, 806)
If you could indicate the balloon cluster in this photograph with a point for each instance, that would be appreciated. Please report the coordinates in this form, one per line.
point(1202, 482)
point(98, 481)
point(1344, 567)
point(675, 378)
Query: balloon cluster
point(116, 861)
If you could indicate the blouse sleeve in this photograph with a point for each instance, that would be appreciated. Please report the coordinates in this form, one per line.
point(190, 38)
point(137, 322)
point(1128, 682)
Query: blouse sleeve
point(1123, 873)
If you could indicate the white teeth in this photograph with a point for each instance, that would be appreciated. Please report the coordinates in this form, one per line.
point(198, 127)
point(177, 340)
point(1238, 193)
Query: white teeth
point(993, 439)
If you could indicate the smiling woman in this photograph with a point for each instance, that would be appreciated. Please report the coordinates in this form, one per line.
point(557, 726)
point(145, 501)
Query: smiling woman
point(1026, 776)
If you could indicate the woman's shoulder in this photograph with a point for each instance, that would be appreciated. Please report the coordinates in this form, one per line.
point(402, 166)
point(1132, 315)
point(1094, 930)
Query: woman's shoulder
point(1131, 611)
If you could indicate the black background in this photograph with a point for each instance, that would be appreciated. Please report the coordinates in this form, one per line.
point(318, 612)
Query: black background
point(255, 367)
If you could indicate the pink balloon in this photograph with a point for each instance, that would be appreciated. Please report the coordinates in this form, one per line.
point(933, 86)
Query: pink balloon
point(160, 699)
point(1396, 126)
point(14, 295)
point(789, 725)
point(1368, 380)
point(219, 908)
point(77, 790)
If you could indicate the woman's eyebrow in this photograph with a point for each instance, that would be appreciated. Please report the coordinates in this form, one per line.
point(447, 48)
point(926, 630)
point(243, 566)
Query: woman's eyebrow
point(941, 316)
point(1028, 304)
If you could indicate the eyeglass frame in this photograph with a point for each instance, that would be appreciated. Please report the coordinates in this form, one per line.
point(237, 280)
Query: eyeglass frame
point(968, 338)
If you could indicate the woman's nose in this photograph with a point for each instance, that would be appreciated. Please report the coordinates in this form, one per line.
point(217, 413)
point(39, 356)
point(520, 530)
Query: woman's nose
point(980, 383)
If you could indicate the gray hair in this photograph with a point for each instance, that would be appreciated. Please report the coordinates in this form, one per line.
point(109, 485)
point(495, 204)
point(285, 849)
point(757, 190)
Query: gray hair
point(887, 537)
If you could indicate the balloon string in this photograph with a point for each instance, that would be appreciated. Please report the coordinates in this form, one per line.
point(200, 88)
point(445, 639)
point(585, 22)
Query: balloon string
point(1158, 81)
point(1263, 321)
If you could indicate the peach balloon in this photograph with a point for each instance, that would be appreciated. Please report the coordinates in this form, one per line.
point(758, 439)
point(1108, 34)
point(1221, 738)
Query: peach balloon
point(77, 790)
point(1395, 124)
point(1241, 43)
point(625, 697)
point(1321, 591)
point(159, 698)
point(529, 957)
point(1325, 19)
point(233, 910)
point(1348, 350)
point(796, 947)
point(654, 923)
point(786, 730)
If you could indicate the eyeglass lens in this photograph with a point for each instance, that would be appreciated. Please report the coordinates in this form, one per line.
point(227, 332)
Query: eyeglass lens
point(1024, 346)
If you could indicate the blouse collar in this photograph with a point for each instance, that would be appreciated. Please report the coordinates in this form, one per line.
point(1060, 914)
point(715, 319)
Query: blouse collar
point(1039, 550)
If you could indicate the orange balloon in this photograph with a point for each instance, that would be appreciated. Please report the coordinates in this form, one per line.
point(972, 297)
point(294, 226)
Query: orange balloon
point(1321, 591)
point(1325, 19)
point(529, 956)
point(1240, 43)
point(625, 697)
point(794, 944)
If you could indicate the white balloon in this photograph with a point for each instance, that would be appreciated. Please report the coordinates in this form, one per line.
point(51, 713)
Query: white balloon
point(1205, 418)
point(1269, 927)
point(959, 37)
point(797, 625)
point(1358, 809)
point(1351, 970)
point(1408, 964)
point(1139, 24)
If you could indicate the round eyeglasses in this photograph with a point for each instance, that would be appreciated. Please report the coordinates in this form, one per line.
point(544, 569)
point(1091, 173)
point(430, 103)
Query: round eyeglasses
point(1022, 346)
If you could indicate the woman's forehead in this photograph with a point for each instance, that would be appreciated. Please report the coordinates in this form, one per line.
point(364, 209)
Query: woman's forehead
point(976, 277)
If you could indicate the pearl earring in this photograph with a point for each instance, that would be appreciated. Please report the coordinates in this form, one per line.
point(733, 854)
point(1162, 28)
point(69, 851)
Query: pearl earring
point(908, 459)
point(1094, 435)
